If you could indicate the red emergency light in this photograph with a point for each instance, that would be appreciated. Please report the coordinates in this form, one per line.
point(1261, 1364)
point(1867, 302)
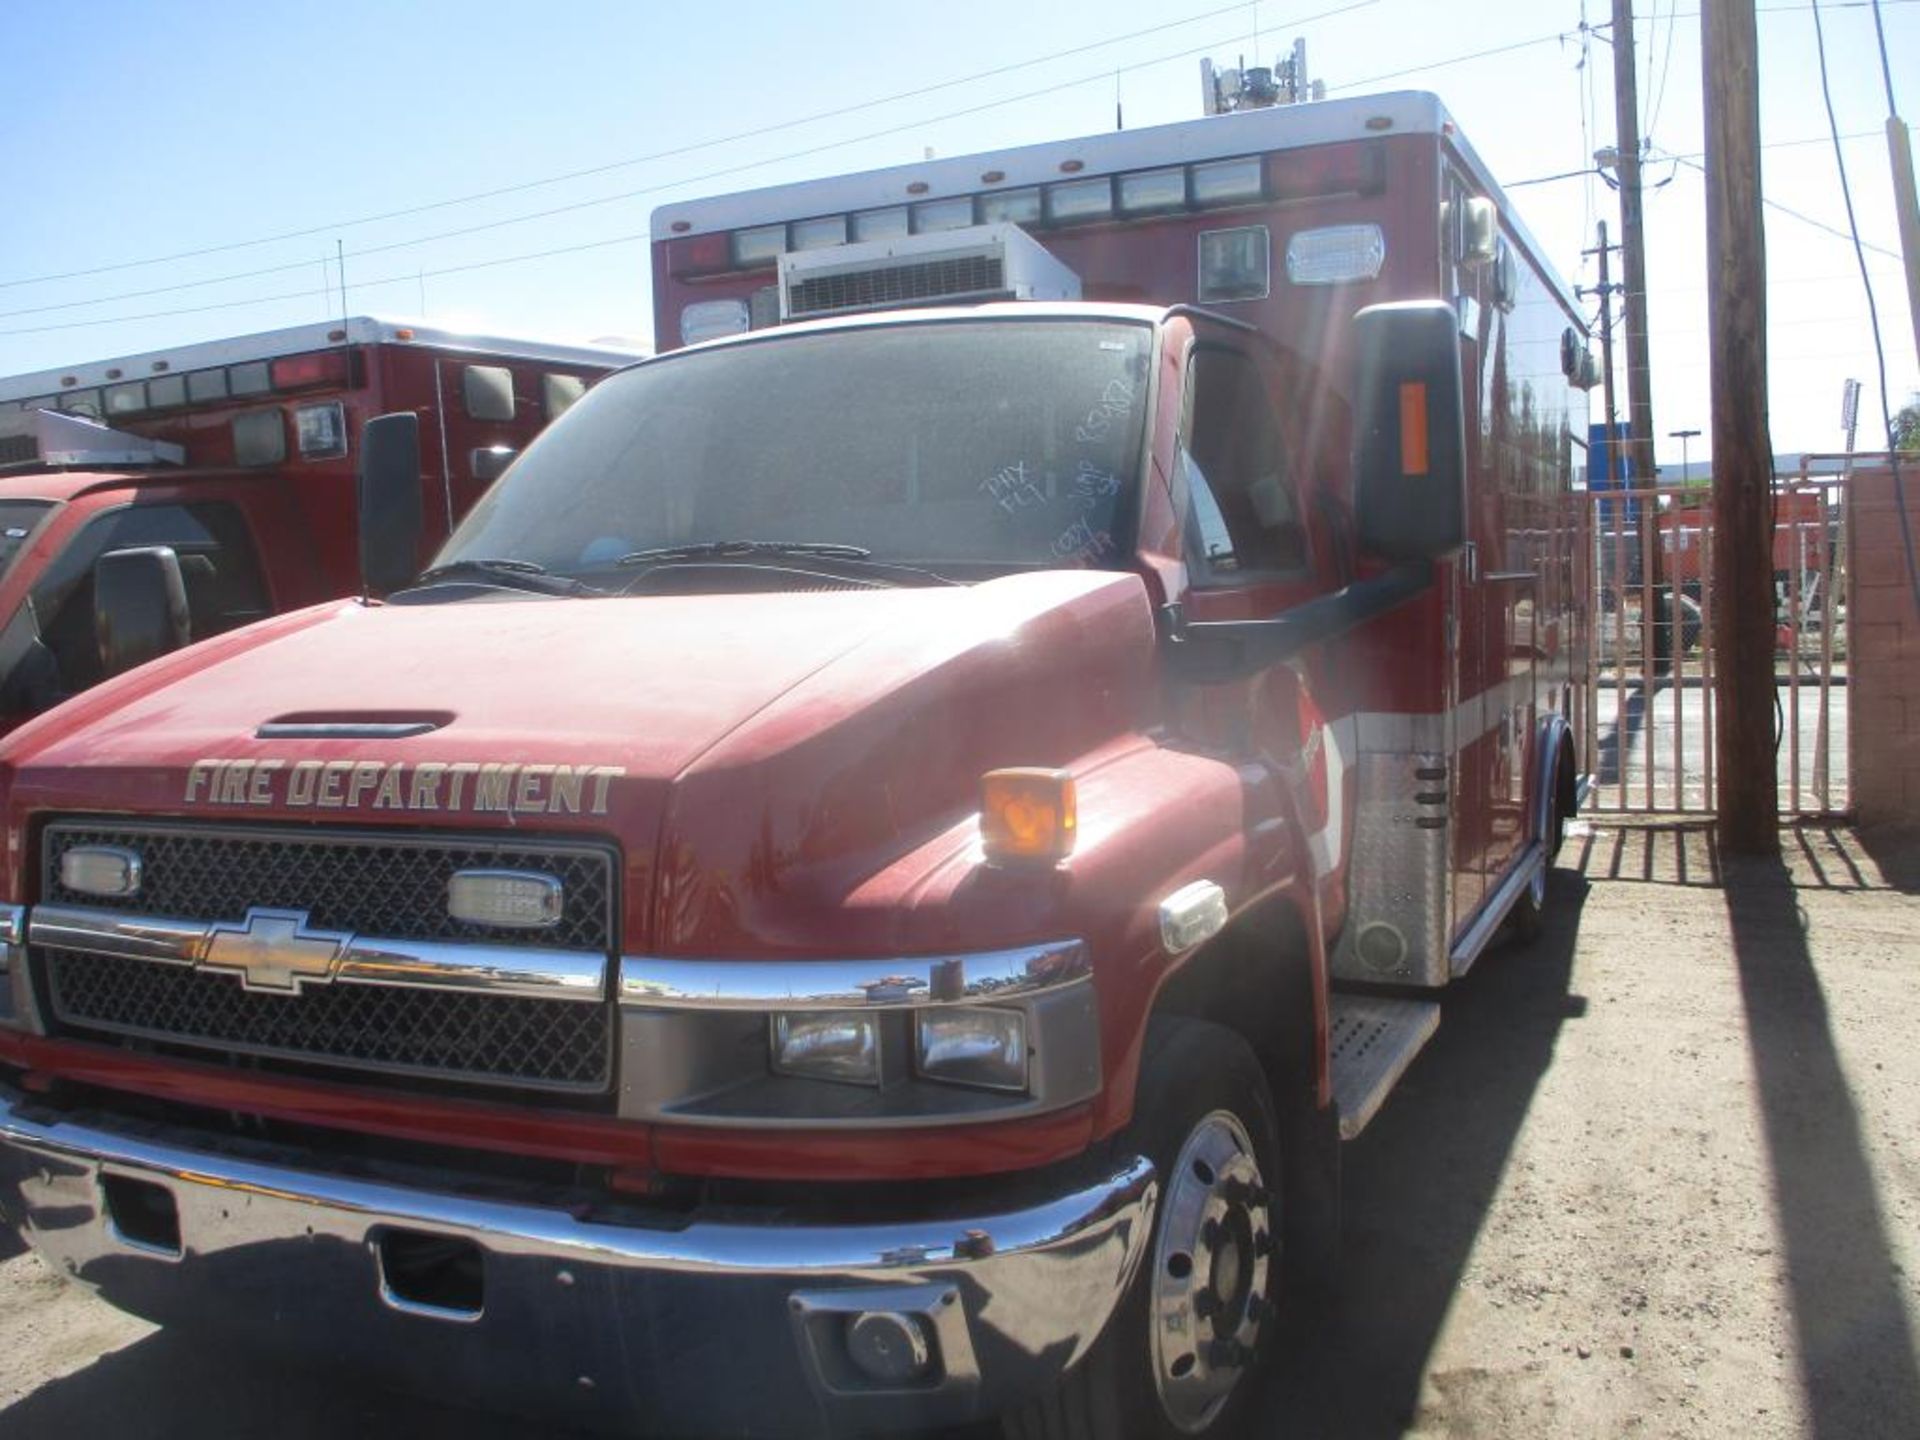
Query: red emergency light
point(699, 255)
point(302, 372)
point(1313, 174)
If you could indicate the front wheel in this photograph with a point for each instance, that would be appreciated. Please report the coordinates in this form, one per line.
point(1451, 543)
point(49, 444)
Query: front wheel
point(1182, 1353)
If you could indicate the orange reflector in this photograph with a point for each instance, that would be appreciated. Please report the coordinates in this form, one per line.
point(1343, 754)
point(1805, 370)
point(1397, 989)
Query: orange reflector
point(1413, 428)
point(1027, 814)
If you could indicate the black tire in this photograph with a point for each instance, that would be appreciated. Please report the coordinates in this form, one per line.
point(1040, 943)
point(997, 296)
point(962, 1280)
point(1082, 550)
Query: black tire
point(1528, 917)
point(1192, 1074)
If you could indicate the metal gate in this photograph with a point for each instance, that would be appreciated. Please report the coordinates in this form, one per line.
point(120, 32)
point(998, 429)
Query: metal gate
point(1649, 731)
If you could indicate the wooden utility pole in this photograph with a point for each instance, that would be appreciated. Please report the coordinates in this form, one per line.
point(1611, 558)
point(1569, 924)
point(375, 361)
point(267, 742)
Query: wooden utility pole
point(1633, 246)
point(1746, 793)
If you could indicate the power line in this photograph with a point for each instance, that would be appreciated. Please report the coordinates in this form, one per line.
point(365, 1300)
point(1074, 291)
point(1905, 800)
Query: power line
point(728, 171)
point(576, 206)
point(1663, 154)
point(1886, 71)
point(1585, 67)
point(410, 278)
point(1666, 67)
point(611, 199)
point(1801, 215)
point(602, 169)
point(1456, 60)
point(1510, 185)
point(1866, 282)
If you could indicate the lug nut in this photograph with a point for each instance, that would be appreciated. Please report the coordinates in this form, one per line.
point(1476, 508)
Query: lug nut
point(1226, 1354)
point(1210, 1233)
point(1262, 1243)
point(1206, 1304)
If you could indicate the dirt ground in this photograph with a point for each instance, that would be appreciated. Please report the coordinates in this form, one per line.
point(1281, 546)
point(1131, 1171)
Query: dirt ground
point(1658, 1175)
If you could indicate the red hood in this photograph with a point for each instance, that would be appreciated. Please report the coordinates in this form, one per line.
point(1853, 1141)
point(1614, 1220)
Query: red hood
point(814, 724)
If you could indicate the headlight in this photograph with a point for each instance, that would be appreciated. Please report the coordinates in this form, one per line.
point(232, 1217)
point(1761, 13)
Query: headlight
point(965, 1045)
point(841, 1045)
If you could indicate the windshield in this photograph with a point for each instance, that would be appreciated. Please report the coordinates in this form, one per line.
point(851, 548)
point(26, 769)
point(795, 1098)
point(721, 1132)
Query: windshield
point(954, 445)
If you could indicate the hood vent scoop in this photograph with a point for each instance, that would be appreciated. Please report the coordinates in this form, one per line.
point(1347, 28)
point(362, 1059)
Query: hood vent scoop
point(351, 727)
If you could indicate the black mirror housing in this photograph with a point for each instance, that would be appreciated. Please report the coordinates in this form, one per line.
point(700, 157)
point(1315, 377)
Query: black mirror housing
point(139, 607)
point(1409, 432)
point(389, 496)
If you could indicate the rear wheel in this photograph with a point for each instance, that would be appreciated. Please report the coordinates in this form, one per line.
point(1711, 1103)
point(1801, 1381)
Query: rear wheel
point(1182, 1353)
point(1528, 916)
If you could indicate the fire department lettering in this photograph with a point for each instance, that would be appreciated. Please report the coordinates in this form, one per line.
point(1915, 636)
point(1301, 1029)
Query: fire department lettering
point(460, 786)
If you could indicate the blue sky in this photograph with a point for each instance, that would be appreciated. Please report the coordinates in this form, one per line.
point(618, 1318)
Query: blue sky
point(142, 131)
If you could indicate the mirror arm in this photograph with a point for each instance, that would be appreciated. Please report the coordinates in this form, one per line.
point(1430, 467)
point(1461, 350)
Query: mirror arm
point(1232, 649)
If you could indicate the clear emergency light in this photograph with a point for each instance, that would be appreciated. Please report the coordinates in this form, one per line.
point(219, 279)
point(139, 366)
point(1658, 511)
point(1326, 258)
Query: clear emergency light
point(56, 438)
point(1336, 254)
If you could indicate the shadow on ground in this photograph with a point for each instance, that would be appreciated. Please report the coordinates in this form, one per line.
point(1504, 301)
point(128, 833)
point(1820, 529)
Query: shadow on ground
point(1855, 1347)
point(173, 1385)
point(1896, 851)
point(1417, 1186)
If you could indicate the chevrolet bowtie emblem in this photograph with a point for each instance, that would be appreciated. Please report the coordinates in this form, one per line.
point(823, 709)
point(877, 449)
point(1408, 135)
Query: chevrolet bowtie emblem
point(273, 951)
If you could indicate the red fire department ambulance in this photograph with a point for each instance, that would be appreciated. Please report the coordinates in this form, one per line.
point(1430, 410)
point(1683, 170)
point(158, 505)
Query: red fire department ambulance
point(866, 885)
point(238, 456)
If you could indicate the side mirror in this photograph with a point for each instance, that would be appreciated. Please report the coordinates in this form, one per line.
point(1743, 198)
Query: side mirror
point(390, 515)
point(1409, 432)
point(139, 607)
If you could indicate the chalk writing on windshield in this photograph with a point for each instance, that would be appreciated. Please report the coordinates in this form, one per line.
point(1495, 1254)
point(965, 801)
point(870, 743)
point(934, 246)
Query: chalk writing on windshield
point(1081, 542)
point(1115, 403)
point(1012, 488)
point(1091, 485)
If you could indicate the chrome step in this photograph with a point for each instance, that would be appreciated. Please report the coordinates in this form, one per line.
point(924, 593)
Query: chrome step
point(1370, 1042)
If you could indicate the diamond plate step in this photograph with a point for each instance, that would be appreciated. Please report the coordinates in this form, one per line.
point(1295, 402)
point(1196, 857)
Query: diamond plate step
point(1371, 1041)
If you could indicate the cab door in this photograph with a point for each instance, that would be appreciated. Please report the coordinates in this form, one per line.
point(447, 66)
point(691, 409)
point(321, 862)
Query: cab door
point(1237, 493)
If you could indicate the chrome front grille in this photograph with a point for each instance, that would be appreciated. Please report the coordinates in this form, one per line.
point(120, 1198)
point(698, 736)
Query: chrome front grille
point(387, 981)
point(376, 883)
point(442, 1034)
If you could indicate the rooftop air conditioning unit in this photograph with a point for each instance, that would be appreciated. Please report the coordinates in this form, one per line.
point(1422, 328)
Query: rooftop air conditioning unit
point(54, 438)
point(951, 267)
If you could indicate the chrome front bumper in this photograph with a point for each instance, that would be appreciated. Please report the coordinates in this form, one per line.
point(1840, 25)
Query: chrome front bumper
point(730, 1325)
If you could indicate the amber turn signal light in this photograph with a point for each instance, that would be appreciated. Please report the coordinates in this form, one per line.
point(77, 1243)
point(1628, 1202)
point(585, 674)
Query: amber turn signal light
point(1027, 814)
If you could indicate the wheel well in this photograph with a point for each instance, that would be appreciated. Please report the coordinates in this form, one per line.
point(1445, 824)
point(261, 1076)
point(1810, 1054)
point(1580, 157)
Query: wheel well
point(1254, 978)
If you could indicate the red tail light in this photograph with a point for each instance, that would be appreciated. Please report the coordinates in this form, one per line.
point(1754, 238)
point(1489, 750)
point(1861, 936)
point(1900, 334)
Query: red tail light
point(322, 367)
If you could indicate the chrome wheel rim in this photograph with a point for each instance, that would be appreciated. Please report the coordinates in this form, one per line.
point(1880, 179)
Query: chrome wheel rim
point(1212, 1266)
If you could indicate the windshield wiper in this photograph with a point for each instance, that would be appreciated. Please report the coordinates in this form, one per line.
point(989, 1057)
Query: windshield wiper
point(857, 557)
point(520, 574)
point(724, 549)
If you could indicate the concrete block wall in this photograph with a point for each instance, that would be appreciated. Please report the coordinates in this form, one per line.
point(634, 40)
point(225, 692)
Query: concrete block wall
point(1883, 649)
